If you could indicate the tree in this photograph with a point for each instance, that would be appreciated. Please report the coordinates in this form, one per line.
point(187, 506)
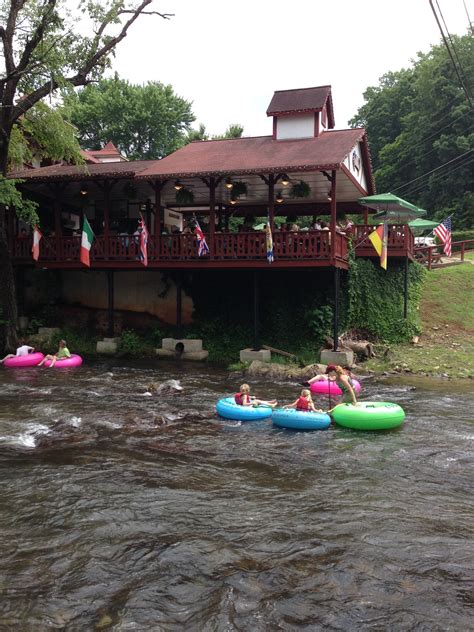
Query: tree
point(234, 130)
point(143, 121)
point(44, 51)
point(421, 132)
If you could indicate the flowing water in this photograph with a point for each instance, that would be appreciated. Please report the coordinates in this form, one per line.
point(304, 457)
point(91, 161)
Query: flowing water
point(125, 512)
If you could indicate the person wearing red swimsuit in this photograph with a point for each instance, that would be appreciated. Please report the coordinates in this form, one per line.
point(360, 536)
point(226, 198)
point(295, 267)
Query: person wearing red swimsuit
point(304, 403)
point(243, 398)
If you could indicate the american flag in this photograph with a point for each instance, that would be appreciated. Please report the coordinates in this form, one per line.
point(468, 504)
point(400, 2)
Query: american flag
point(203, 248)
point(443, 232)
point(143, 240)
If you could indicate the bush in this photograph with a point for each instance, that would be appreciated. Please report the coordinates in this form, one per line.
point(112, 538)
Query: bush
point(77, 341)
point(131, 344)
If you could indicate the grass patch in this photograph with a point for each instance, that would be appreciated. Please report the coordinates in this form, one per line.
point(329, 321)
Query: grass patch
point(446, 345)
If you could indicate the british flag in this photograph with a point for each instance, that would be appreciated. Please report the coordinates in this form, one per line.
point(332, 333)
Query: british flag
point(143, 240)
point(203, 248)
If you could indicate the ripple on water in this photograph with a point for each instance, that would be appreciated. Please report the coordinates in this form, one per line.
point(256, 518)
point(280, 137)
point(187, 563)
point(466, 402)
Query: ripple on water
point(134, 516)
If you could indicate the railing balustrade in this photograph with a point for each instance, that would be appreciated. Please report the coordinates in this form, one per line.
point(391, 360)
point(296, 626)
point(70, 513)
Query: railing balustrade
point(249, 246)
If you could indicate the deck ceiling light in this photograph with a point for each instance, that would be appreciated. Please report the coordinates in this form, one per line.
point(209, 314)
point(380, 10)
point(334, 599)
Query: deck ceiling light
point(279, 198)
point(178, 185)
point(228, 183)
point(329, 196)
point(233, 200)
point(83, 189)
point(285, 180)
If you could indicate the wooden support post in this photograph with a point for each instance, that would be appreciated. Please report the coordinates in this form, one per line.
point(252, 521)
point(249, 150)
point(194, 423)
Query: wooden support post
point(157, 186)
point(271, 201)
point(179, 297)
point(333, 217)
point(430, 258)
point(256, 328)
point(110, 304)
point(212, 214)
point(336, 309)
point(462, 250)
point(366, 215)
point(405, 291)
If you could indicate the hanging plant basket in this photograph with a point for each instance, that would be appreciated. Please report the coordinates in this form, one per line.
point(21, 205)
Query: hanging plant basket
point(184, 196)
point(130, 191)
point(300, 190)
point(239, 188)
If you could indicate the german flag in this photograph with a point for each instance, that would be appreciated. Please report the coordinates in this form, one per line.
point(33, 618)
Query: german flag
point(379, 241)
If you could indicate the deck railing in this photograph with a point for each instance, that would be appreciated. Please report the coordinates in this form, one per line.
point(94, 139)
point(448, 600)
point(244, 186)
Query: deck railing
point(399, 238)
point(431, 255)
point(251, 246)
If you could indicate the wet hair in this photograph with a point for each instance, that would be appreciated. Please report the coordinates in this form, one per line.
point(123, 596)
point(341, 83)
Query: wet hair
point(305, 392)
point(334, 367)
point(245, 388)
point(63, 342)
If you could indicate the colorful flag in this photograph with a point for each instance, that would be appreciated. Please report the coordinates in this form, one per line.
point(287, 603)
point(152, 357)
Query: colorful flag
point(86, 242)
point(379, 241)
point(35, 248)
point(203, 248)
point(143, 240)
point(443, 232)
point(269, 241)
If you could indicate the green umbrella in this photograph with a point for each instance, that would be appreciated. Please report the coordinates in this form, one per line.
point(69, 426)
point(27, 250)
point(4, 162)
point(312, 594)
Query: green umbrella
point(392, 208)
point(259, 226)
point(420, 225)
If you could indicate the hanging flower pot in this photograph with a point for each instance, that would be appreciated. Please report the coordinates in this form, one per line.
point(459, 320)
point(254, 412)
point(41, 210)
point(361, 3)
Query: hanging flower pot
point(184, 196)
point(300, 189)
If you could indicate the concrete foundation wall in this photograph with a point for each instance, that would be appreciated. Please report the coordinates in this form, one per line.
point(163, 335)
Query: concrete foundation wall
point(133, 291)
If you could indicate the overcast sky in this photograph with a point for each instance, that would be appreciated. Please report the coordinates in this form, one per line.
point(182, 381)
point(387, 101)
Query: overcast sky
point(229, 57)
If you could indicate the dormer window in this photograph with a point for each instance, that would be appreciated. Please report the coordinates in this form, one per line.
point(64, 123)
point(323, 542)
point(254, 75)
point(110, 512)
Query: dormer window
point(301, 113)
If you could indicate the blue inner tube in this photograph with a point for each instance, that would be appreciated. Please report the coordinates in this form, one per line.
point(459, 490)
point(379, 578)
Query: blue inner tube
point(300, 419)
point(227, 408)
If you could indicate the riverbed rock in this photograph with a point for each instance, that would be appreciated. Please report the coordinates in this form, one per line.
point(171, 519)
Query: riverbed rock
point(275, 371)
point(169, 387)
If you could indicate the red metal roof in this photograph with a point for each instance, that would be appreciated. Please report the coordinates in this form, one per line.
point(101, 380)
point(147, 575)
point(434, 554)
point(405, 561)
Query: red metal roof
point(261, 154)
point(302, 100)
point(79, 172)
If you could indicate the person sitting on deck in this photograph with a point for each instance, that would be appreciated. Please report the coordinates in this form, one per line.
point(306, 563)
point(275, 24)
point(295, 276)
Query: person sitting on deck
point(22, 350)
point(304, 403)
point(62, 353)
point(243, 398)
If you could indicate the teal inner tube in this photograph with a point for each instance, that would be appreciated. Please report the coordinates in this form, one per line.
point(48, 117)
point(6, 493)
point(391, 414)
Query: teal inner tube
point(300, 419)
point(369, 415)
point(227, 408)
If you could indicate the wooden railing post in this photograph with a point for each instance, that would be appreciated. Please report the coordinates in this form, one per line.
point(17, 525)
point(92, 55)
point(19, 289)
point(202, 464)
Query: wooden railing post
point(212, 216)
point(462, 250)
point(430, 257)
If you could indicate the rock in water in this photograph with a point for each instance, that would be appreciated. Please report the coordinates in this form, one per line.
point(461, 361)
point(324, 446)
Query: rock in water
point(169, 387)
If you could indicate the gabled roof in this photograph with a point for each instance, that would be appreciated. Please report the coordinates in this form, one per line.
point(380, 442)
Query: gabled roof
point(261, 154)
point(302, 100)
point(84, 172)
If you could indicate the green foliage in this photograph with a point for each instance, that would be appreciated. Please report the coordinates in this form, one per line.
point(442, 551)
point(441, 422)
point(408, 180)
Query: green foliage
point(376, 300)
point(145, 122)
point(131, 344)
point(184, 196)
point(300, 189)
point(320, 320)
point(235, 130)
point(43, 132)
point(417, 120)
point(11, 196)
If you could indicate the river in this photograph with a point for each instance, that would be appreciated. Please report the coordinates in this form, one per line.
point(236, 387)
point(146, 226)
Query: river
point(124, 512)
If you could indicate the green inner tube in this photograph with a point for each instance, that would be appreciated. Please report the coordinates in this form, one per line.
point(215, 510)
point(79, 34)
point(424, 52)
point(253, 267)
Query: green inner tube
point(369, 415)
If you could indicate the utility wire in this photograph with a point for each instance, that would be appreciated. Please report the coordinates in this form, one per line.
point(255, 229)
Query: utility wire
point(403, 186)
point(466, 92)
point(468, 16)
point(421, 185)
point(454, 48)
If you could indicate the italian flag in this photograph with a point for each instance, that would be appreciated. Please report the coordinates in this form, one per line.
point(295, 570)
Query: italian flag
point(86, 242)
point(35, 248)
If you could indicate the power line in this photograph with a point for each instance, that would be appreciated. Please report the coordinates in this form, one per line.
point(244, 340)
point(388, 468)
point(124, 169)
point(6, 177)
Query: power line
point(468, 16)
point(421, 185)
point(433, 170)
point(453, 46)
point(466, 92)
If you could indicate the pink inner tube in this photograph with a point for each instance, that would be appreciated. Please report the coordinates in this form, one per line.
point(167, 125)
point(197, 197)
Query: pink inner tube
point(74, 360)
point(32, 359)
point(326, 387)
